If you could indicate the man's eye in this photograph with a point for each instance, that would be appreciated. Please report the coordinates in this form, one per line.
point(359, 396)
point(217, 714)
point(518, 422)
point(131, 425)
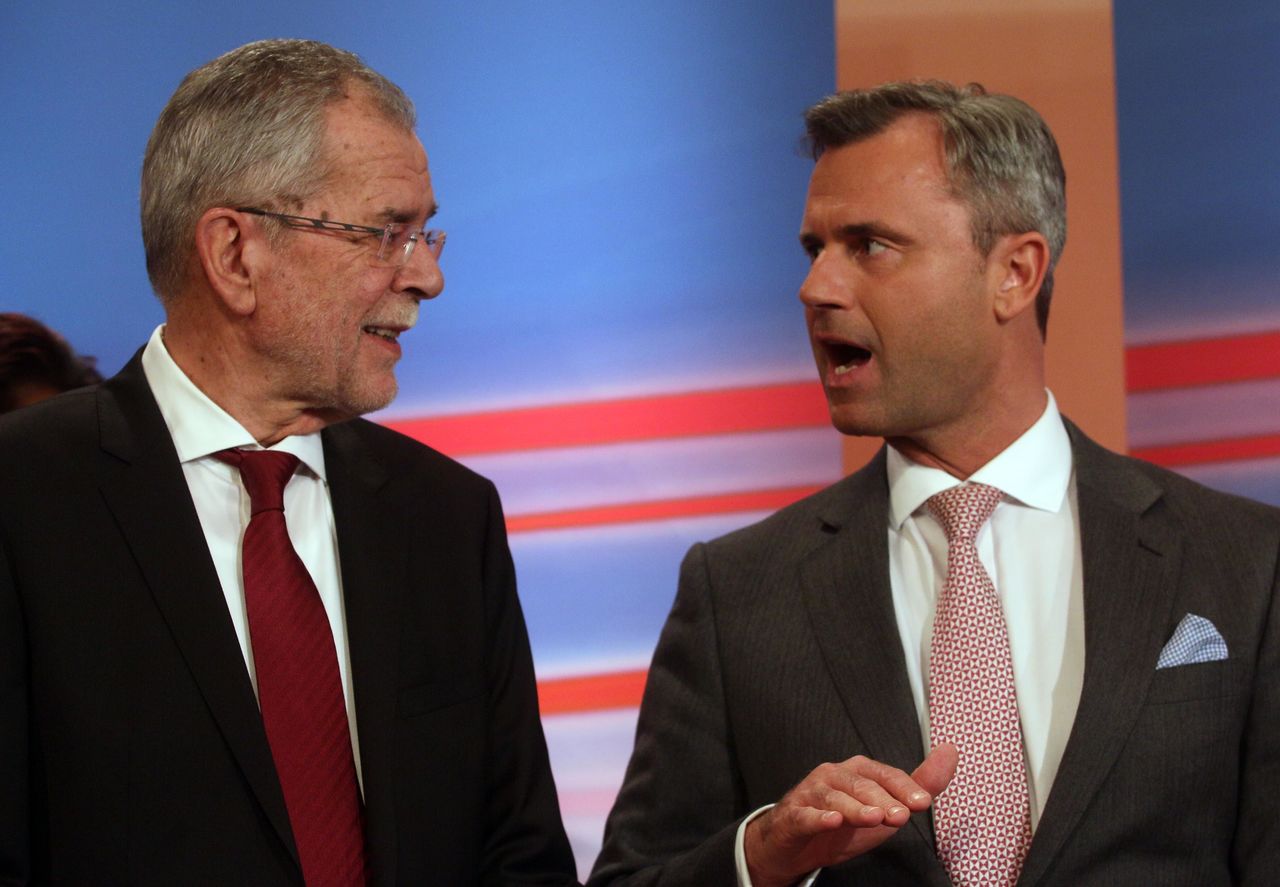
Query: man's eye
point(398, 236)
point(874, 247)
point(356, 235)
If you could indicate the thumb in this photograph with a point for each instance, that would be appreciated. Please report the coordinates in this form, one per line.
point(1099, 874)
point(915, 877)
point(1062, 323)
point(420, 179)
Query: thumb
point(935, 772)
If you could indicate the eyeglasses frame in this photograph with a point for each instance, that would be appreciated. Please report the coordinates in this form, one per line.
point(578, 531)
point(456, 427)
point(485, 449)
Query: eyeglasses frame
point(433, 238)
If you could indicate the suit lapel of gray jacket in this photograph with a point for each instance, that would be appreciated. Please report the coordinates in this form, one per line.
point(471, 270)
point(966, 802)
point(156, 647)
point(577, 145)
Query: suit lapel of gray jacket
point(845, 582)
point(373, 558)
point(1131, 559)
point(145, 489)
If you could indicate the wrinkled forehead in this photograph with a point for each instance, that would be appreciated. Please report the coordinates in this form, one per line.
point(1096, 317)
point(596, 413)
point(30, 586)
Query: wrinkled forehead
point(372, 158)
point(355, 125)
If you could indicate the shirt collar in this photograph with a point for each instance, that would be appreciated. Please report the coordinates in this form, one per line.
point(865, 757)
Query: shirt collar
point(1034, 470)
point(198, 426)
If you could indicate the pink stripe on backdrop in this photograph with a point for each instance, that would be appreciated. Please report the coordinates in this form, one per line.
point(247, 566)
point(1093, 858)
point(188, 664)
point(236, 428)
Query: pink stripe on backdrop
point(663, 509)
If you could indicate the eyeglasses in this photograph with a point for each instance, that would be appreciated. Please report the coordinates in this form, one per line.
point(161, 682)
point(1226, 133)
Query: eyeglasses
point(396, 241)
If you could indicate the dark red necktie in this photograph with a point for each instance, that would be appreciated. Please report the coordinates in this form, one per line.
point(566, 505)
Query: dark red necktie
point(299, 687)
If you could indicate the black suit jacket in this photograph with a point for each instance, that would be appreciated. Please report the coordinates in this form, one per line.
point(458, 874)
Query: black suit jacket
point(131, 747)
point(782, 652)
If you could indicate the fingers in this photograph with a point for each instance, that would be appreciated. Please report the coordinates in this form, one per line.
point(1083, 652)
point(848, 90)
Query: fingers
point(840, 811)
point(936, 771)
point(860, 793)
point(883, 786)
point(795, 824)
point(843, 783)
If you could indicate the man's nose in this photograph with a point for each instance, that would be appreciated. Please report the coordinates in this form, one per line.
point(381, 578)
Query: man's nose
point(826, 285)
point(420, 277)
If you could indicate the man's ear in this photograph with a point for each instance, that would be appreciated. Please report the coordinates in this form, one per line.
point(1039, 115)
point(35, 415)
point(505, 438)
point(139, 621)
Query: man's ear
point(229, 248)
point(1019, 263)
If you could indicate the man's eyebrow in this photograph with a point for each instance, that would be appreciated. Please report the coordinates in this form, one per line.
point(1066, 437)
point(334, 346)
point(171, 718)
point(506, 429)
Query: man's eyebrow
point(400, 216)
point(858, 231)
point(862, 230)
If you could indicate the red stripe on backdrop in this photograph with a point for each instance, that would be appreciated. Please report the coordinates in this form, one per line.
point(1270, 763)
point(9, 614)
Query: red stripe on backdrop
point(1202, 362)
point(727, 411)
point(1199, 452)
point(659, 509)
point(787, 405)
point(595, 692)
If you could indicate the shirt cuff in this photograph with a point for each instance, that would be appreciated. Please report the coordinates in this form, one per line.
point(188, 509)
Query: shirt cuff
point(740, 853)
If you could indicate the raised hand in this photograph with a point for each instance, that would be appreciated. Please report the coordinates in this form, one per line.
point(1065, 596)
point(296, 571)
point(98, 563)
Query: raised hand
point(840, 811)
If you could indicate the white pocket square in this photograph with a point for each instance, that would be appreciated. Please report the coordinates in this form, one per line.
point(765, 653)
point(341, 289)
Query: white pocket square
point(1194, 640)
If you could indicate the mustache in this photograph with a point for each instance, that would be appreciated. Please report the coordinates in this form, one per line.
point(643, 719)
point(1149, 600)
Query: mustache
point(401, 315)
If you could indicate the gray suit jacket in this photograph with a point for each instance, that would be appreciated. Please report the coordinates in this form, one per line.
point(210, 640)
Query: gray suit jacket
point(781, 652)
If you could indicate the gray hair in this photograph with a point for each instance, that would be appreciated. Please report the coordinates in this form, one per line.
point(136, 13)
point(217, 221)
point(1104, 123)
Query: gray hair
point(247, 129)
point(1002, 160)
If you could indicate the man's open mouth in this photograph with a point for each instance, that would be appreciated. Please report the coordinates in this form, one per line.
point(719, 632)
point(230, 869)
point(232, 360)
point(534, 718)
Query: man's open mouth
point(844, 357)
point(382, 332)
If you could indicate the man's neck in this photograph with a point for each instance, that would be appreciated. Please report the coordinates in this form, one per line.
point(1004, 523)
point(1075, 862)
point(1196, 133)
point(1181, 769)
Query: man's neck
point(961, 449)
point(233, 381)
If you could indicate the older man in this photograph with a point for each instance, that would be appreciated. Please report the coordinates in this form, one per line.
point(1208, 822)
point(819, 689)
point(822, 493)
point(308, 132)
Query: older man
point(1097, 641)
point(245, 637)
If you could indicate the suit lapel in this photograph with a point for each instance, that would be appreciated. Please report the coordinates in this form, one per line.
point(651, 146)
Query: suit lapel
point(1131, 562)
point(846, 591)
point(146, 491)
point(373, 561)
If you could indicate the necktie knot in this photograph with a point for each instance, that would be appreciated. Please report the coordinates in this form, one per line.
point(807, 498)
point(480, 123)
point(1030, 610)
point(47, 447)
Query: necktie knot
point(962, 510)
point(265, 473)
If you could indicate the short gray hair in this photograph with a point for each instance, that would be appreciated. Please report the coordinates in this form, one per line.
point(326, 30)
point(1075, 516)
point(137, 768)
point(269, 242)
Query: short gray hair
point(1002, 159)
point(247, 129)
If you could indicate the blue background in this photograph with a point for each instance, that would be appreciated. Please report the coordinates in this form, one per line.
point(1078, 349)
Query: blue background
point(1198, 107)
point(620, 182)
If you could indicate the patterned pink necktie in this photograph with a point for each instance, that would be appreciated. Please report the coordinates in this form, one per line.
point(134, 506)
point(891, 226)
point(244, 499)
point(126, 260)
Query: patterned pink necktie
point(299, 687)
point(982, 821)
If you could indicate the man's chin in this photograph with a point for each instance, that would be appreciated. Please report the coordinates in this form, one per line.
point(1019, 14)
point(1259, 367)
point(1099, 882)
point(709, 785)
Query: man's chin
point(855, 422)
point(372, 401)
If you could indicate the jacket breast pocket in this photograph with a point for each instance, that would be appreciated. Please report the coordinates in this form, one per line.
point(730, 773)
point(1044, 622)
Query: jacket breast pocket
point(1200, 680)
point(442, 692)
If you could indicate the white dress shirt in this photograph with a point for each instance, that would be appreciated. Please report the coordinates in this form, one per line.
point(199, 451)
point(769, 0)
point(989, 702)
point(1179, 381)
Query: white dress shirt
point(199, 428)
point(1031, 549)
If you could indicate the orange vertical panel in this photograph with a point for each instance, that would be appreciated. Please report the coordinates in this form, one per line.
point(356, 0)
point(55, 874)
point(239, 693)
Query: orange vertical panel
point(1058, 56)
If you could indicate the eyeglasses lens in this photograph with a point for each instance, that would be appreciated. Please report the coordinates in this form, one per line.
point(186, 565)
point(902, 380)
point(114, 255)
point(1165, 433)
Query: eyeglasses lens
point(398, 243)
